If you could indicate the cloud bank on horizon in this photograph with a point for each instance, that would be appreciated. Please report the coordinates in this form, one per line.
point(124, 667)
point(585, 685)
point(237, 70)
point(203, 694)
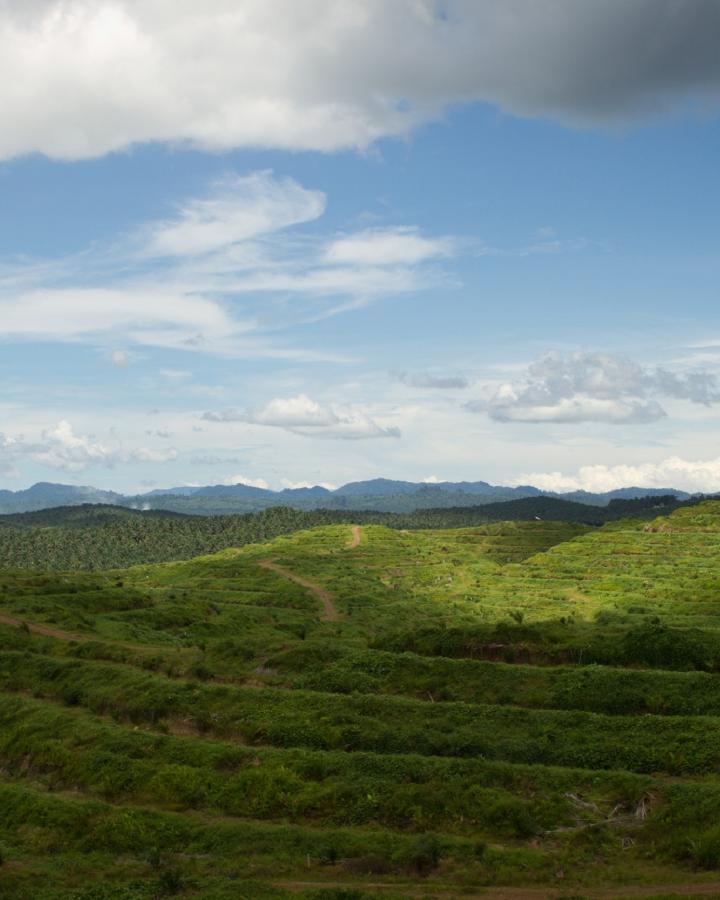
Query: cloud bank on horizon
point(477, 228)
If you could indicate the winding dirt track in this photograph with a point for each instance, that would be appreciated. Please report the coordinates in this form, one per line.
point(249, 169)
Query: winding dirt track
point(61, 635)
point(330, 614)
point(45, 630)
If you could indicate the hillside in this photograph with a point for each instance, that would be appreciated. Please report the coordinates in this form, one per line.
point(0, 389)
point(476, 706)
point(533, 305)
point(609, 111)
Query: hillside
point(97, 536)
point(378, 494)
point(357, 711)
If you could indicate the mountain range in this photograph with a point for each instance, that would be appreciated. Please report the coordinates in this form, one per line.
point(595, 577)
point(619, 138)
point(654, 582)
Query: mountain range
point(379, 494)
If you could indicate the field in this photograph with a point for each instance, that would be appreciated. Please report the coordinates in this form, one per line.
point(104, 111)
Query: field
point(519, 709)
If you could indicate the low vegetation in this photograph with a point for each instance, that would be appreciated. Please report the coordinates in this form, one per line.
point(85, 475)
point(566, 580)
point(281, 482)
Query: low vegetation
point(418, 711)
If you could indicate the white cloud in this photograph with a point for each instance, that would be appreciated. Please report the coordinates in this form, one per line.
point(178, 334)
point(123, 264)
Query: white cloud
point(302, 415)
point(61, 448)
point(507, 406)
point(250, 482)
point(222, 271)
point(293, 412)
point(297, 485)
point(11, 449)
point(239, 208)
point(387, 246)
point(702, 476)
point(79, 79)
point(593, 387)
point(74, 313)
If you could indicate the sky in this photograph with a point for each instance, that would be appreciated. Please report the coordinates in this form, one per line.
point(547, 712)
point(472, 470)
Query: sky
point(290, 243)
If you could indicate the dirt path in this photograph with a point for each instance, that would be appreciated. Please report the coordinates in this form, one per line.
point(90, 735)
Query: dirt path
point(330, 614)
point(45, 630)
point(355, 539)
point(51, 632)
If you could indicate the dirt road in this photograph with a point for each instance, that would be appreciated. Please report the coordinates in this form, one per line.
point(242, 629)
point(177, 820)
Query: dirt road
point(330, 614)
point(44, 630)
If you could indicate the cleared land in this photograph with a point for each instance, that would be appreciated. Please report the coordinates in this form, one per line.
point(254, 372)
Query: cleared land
point(510, 710)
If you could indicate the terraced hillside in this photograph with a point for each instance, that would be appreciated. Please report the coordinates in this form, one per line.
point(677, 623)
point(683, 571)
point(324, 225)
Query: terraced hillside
point(517, 710)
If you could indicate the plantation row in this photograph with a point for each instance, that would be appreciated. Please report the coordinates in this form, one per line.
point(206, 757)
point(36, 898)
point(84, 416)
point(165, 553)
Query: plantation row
point(381, 724)
point(526, 704)
point(97, 537)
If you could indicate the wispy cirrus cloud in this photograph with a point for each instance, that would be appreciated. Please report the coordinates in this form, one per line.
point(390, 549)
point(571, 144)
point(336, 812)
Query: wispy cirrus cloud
point(237, 209)
point(387, 246)
point(213, 277)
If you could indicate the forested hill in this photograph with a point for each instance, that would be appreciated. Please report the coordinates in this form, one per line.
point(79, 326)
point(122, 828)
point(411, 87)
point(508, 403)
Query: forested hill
point(379, 494)
point(98, 536)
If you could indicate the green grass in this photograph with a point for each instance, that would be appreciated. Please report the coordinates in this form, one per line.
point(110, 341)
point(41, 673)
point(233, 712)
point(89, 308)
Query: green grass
point(492, 706)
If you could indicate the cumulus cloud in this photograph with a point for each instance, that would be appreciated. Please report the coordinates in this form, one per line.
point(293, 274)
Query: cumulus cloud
point(11, 449)
point(594, 387)
point(323, 74)
point(250, 482)
point(297, 485)
point(302, 415)
point(60, 447)
point(699, 476)
point(428, 380)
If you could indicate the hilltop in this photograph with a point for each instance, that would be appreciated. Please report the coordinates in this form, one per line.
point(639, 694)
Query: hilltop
point(95, 536)
point(438, 712)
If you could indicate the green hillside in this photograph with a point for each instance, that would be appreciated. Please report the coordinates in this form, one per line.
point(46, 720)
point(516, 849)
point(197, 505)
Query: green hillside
point(520, 709)
point(94, 536)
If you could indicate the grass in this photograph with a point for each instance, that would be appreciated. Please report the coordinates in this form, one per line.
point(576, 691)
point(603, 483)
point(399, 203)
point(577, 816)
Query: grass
point(493, 706)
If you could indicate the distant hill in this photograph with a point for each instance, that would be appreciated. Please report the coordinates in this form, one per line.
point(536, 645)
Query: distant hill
point(102, 536)
point(81, 516)
point(378, 494)
point(45, 494)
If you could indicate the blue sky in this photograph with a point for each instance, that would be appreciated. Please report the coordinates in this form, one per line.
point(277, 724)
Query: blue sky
point(485, 251)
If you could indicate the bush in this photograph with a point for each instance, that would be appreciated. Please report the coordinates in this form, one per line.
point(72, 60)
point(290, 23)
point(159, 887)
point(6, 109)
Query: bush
point(170, 881)
point(657, 645)
point(423, 855)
